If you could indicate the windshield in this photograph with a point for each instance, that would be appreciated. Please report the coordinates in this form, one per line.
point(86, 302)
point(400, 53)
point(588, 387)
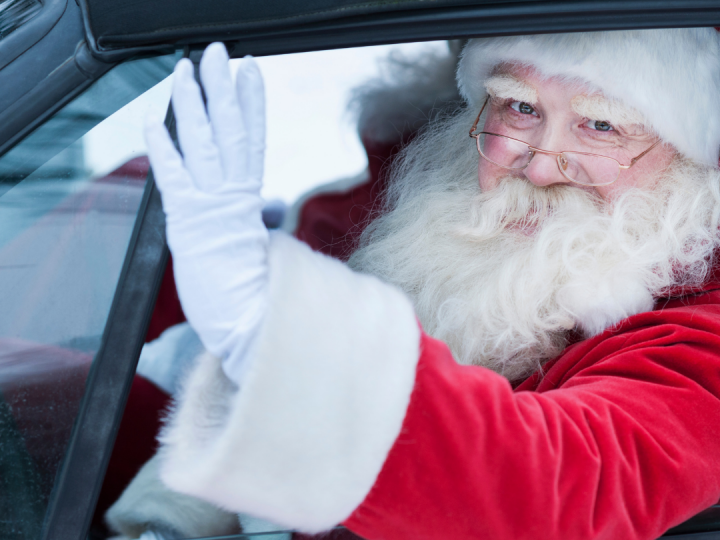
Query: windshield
point(69, 195)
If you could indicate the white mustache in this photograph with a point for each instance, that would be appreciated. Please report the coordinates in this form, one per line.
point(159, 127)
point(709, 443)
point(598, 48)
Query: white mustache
point(517, 203)
point(507, 300)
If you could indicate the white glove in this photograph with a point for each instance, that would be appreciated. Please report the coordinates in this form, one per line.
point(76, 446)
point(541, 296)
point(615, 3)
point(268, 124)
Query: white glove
point(211, 198)
point(152, 534)
point(166, 359)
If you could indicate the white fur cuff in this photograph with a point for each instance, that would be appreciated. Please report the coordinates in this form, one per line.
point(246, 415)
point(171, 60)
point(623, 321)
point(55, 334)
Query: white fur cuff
point(303, 441)
point(148, 504)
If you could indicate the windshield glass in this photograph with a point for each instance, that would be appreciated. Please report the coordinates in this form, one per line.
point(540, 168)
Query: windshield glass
point(69, 195)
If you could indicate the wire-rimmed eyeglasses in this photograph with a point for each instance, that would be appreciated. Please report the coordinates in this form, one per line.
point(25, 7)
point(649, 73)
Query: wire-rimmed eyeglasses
point(578, 167)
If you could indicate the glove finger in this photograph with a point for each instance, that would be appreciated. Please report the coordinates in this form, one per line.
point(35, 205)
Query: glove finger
point(167, 165)
point(225, 115)
point(195, 135)
point(251, 96)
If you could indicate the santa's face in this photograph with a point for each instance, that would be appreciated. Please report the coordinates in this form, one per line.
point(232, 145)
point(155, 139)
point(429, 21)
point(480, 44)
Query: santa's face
point(502, 270)
point(560, 115)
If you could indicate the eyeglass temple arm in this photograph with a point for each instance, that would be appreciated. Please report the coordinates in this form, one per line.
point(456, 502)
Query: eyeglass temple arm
point(634, 160)
point(475, 123)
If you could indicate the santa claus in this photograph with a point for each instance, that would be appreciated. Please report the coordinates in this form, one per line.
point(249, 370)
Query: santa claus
point(526, 343)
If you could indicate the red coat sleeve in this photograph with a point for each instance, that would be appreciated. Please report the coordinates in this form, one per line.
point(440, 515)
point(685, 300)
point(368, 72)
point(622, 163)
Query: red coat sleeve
point(620, 439)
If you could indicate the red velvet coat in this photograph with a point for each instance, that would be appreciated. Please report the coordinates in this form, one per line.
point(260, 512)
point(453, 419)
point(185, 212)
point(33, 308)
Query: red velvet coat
point(619, 439)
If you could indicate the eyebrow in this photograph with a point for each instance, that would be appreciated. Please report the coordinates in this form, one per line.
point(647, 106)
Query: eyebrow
point(508, 87)
point(598, 107)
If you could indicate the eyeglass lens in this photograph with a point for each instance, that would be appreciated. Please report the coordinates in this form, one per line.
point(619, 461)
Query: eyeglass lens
point(585, 169)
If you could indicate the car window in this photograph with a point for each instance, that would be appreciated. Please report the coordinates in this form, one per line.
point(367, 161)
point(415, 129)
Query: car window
point(15, 13)
point(313, 143)
point(69, 195)
point(312, 134)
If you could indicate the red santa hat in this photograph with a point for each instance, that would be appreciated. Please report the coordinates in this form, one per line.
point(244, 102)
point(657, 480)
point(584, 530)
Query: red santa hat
point(670, 76)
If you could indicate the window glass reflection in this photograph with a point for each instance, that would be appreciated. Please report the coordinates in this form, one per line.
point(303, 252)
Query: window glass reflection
point(69, 195)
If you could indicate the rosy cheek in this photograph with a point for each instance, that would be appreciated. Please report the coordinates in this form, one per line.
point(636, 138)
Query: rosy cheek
point(643, 175)
point(488, 174)
point(494, 146)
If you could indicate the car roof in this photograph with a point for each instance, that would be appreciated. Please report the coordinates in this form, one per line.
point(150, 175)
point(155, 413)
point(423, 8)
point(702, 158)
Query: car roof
point(66, 45)
point(115, 28)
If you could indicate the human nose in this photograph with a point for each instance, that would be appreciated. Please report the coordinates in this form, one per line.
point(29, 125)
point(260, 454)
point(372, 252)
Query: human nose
point(543, 170)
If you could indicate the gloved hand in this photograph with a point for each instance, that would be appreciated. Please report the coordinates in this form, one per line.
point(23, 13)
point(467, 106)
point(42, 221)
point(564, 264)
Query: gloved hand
point(211, 198)
point(152, 534)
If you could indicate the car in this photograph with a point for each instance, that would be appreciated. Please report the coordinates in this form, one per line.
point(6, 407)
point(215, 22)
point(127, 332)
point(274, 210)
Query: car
point(84, 256)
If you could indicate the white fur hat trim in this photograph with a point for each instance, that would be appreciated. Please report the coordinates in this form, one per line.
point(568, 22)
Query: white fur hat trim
point(671, 76)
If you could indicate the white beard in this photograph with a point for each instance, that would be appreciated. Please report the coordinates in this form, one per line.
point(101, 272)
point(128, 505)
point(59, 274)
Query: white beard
point(508, 300)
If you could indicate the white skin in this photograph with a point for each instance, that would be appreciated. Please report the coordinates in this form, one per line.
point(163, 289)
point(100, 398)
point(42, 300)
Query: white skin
point(552, 124)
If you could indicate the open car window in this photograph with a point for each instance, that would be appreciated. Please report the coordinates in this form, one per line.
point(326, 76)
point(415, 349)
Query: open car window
point(306, 147)
point(321, 136)
point(312, 108)
point(69, 196)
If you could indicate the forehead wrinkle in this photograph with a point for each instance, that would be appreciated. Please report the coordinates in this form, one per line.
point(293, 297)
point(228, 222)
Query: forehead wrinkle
point(598, 107)
point(508, 87)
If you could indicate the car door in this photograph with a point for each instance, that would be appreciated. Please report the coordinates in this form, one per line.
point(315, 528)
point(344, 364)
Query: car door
point(83, 246)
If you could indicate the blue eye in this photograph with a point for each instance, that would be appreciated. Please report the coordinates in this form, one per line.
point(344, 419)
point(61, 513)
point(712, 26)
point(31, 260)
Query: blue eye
point(600, 125)
point(522, 107)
